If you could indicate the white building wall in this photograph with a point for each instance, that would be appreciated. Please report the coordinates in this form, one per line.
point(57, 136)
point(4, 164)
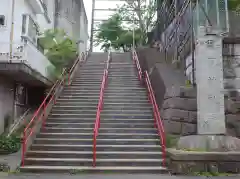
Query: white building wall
point(43, 23)
point(83, 31)
point(72, 18)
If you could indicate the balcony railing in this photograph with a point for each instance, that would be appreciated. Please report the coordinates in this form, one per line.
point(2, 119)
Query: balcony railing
point(28, 54)
point(37, 5)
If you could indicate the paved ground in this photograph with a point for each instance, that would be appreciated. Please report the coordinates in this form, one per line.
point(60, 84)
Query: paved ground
point(106, 176)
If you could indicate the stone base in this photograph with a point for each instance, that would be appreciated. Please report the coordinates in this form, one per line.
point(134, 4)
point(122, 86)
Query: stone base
point(182, 162)
point(209, 143)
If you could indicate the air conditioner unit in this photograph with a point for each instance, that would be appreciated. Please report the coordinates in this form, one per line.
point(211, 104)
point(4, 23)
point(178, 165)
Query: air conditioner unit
point(29, 28)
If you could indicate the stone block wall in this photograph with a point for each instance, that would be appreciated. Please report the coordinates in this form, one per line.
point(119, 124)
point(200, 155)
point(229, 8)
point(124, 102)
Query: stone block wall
point(179, 113)
point(179, 104)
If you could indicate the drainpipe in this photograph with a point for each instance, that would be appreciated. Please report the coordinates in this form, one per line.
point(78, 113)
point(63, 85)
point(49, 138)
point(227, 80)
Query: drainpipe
point(12, 28)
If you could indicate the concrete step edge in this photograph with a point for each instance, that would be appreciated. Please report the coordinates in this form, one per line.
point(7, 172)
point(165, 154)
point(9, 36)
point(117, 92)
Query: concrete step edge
point(86, 123)
point(103, 119)
point(100, 134)
point(90, 152)
point(80, 128)
point(90, 160)
point(104, 108)
point(112, 146)
point(90, 168)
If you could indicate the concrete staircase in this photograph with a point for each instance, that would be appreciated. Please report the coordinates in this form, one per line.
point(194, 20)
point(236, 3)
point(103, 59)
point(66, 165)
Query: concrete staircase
point(127, 140)
point(66, 142)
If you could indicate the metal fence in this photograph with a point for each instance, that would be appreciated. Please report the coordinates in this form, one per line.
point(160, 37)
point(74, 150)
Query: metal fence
point(178, 24)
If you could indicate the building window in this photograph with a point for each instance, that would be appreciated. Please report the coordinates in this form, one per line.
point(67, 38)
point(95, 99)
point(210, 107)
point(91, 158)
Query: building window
point(24, 23)
point(2, 20)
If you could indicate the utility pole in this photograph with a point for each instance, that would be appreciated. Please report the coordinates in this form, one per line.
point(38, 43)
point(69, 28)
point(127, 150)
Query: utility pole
point(12, 28)
point(92, 25)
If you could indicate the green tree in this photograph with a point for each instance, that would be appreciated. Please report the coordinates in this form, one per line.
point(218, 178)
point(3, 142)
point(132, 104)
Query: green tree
point(59, 48)
point(141, 14)
point(112, 33)
point(234, 5)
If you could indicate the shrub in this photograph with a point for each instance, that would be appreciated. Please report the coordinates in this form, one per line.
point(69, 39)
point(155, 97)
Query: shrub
point(9, 144)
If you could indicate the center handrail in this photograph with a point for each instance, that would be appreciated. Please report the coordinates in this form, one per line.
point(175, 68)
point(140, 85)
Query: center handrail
point(135, 59)
point(99, 109)
point(40, 113)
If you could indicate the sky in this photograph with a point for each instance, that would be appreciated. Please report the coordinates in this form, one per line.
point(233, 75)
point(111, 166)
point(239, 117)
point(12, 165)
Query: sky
point(99, 4)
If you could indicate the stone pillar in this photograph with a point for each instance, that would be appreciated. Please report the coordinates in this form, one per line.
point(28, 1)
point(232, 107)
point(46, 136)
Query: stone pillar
point(209, 78)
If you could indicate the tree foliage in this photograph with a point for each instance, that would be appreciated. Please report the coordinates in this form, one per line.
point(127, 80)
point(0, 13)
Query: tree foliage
point(117, 31)
point(139, 13)
point(60, 49)
point(112, 33)
point(234, 5)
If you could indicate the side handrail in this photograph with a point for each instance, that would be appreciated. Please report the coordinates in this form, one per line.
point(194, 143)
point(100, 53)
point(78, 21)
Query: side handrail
point(157, 117)
point(40, 113)
point(135, 59)
point(99, 109)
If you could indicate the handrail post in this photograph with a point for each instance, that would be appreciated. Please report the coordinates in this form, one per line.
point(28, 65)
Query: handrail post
point(23, 148)
point(44, 115)
point(94, 148)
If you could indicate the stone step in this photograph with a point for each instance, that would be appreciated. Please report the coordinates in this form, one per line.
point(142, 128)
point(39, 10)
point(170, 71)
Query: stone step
point(107, 90)
point(104, 125)
point(94, 87)
point(111, 112)
point(103, 120)
point(111, 148)
point(79, 79)
point(100, 136)
point(91, 70)
point(88, 162)
point(106, 100)
point(106, 96)
point(122, 76)
point(75, 103)
point(105, 107)
point(106, 93)
point(90, 74)
point(88, 77)
point(109, 85)
point(103, 115)
point(90, 169)
point(106, 103)
point(100, 154)
point(136, 83)
point(101, 130)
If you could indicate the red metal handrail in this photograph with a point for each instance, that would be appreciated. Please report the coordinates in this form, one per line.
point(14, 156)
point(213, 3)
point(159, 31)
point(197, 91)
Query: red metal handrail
point(99, 109)
point(157, 118)
point(40, 113)
point(135, 59)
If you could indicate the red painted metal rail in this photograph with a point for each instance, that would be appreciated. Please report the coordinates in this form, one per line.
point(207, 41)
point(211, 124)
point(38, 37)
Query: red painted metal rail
point(99, 109)
point(135, 59)
point(157, 118)
point(40, 113)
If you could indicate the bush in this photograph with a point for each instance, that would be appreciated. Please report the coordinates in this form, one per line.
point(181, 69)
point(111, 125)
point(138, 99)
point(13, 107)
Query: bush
point(9, 144)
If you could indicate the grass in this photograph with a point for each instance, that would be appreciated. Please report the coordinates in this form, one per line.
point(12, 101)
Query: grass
point(210, 174)
point(171, 141)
